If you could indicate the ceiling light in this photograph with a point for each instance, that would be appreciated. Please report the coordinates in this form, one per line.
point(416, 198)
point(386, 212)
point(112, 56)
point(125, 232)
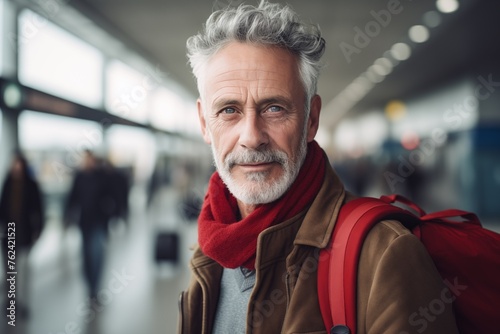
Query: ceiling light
point(419, 34)
point(447, 6)
point(378, 69)
point(389, 56)
point(363, 83)
point(356, 89)
point(353, 93)
point(383, 65)
point(400, 51)
point(12, 95)
point(373, 76)
point(432, 19)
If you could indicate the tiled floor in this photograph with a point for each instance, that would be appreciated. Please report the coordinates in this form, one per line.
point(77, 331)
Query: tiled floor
point(138, 295)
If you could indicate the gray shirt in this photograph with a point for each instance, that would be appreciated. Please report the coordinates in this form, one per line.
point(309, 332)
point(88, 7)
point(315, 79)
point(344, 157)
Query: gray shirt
point(235, 289)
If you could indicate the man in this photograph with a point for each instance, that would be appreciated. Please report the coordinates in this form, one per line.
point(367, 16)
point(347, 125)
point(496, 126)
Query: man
point(274, 200)
point(90, 203)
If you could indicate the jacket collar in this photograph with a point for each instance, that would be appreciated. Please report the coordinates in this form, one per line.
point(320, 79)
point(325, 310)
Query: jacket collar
point(319, 221)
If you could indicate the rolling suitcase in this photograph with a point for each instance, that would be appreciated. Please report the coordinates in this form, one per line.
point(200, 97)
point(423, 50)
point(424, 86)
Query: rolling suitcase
point(167, 247)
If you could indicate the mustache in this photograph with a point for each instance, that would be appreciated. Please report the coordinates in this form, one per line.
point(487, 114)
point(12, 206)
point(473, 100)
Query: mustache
point(255, 157)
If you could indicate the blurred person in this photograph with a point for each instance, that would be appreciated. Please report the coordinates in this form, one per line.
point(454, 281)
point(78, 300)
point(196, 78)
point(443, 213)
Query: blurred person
point(21, 222)
point(91, 204)
point(159, 179)
point(274, 199)
point(119, 183)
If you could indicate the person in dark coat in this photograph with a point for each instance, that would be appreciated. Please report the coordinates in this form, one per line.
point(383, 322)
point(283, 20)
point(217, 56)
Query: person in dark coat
point(91, 204)
point(21, 222)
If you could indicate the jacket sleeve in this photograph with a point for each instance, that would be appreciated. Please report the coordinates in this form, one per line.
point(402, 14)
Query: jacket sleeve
point(399, 288)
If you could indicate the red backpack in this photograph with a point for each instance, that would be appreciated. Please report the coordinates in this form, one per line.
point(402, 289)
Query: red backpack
point(459, 249)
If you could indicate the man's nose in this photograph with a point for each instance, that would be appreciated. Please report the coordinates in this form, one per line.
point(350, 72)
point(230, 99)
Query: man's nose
point(253, 133)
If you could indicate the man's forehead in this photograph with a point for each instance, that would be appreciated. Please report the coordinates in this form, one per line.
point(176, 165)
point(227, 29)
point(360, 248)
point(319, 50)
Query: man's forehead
point(245, 74)
point(239, 67)
point(238, 88)
point(248, 59)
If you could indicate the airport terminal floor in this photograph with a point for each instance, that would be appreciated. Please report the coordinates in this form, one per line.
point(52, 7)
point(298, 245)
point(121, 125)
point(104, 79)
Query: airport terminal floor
point(138, 295)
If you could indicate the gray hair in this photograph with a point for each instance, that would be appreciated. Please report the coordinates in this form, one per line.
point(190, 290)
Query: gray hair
point(267, 24)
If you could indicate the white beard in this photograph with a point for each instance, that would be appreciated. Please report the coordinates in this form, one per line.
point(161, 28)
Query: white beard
point(255, 190)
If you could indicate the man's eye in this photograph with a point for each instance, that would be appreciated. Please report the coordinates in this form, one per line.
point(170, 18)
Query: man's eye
point(228, 111)
point(275, 109)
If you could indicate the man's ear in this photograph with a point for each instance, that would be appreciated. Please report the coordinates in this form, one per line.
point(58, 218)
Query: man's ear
point(313, 121)
point(203, 122)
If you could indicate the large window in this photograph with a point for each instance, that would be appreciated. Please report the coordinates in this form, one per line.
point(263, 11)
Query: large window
point(129, 146)
point(38, 131)
point(54, 61)
point(169, 111)
point(2, 20)
point(128, 91)
point(362, 135)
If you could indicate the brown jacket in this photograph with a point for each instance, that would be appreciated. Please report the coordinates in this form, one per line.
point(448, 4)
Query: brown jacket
point(399, 288)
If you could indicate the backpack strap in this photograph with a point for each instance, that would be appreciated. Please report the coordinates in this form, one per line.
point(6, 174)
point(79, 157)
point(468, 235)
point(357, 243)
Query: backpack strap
point(338, 262)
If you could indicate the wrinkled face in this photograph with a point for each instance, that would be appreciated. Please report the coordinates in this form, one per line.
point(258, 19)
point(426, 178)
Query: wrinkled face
point(252, 113)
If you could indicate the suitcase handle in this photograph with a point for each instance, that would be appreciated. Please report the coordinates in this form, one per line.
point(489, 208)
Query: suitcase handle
point(401, 199)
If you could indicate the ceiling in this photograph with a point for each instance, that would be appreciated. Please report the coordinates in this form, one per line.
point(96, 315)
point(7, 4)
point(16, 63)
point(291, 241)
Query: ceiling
point(158, 29)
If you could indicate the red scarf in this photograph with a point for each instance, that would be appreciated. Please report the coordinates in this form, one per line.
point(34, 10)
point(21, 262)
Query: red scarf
point(233, 243)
